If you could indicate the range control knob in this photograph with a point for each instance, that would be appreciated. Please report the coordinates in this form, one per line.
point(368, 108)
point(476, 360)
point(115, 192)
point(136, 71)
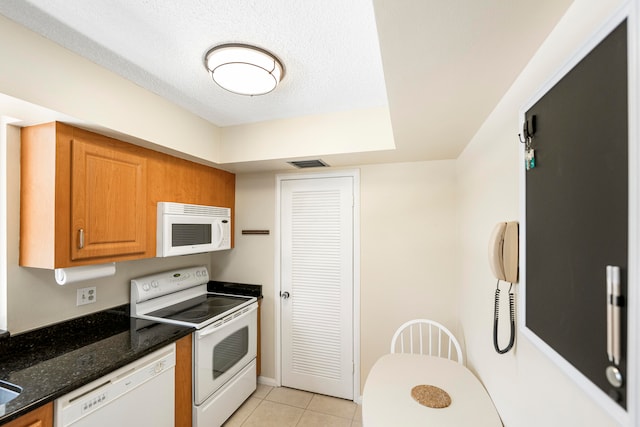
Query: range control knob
point(154, 284)
point(145, 287)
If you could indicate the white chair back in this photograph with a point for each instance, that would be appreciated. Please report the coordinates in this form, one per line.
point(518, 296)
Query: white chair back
point(424, 336)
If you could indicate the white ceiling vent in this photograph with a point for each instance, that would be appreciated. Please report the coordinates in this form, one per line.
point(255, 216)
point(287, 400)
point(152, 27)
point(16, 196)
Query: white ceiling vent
point(302, 164)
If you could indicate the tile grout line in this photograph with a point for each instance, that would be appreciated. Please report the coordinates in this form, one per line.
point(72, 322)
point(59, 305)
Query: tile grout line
point(304, 410)
point(249, 415)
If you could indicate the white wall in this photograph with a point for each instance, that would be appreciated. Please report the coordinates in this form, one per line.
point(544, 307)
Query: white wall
point(409, 240)
point(6, 133)
point(252, 258)
point(409, 264)
point(527, 388)
point(318, 135)
point(43, 73)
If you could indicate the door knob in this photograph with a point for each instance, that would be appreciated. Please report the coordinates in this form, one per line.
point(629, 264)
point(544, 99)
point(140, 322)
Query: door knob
point(284, 295)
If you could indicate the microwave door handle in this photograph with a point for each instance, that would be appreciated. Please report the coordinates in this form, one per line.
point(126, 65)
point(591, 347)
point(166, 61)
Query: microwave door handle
point(220, 233)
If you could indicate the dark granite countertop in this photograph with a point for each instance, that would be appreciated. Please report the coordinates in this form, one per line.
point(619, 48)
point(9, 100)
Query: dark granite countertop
point(235, 288)
point(53, 361)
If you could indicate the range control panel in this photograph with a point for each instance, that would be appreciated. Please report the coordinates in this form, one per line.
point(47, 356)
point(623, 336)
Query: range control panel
point(160, 284)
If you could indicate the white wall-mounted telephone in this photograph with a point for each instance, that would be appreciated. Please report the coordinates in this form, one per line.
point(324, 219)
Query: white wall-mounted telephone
point(503, 251)
point(503, 260)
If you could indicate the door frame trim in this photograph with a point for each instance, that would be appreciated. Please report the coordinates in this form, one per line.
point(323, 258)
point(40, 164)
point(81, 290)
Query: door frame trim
point(355, 175)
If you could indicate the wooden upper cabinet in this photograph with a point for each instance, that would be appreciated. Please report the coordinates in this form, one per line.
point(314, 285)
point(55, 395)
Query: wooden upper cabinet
point(108, 199)
point(83, 198)
point(90, 199)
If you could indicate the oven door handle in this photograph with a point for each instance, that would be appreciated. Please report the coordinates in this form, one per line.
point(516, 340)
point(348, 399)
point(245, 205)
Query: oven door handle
point(226, 321)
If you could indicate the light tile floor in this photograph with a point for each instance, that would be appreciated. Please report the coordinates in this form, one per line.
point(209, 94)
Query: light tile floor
point(287, 407)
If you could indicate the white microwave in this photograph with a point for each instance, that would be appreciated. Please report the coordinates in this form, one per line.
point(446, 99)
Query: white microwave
point(190, 229)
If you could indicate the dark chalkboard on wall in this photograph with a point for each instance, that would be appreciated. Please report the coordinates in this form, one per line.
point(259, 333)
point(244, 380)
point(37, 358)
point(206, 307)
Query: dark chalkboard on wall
point(577, 209)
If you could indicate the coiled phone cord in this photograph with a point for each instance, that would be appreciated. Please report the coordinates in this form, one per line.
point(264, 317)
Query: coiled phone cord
point(512, 311)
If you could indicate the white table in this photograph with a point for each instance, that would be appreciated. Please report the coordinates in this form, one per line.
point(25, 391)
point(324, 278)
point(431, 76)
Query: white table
point(387, 400)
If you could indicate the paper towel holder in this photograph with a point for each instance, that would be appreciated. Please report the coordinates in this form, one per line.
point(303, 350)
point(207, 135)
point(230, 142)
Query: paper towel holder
point(82, 273)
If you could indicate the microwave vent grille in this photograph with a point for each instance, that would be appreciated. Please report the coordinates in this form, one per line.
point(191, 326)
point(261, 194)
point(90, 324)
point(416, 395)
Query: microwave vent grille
point(184, 209)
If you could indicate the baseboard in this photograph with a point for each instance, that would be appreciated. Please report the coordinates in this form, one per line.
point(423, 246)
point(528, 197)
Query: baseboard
point(271, 382)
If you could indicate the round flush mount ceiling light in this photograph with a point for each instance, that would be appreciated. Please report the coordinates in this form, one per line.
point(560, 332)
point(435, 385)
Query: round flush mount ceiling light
point(244, 69)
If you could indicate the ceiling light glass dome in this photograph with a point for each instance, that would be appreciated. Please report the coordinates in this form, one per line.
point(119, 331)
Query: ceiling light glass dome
point(244, 69)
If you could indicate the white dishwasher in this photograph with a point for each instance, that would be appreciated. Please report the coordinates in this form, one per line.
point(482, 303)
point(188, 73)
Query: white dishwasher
point(140, 394)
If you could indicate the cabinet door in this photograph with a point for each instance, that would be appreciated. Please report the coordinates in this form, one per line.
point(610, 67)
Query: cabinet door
point(108, 200)
point(41, 417)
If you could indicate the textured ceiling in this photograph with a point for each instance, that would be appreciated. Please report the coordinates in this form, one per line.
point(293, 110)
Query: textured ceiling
point(329, 49)
point(446, 63)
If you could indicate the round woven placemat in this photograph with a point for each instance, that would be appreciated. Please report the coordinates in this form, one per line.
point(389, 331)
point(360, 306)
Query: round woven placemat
point(431, 396)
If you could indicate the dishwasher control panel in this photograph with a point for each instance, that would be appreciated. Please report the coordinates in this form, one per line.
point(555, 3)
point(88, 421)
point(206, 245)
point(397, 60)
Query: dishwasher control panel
point(93, 403)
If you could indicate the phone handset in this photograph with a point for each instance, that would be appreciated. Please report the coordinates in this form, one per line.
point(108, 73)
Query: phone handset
point(503, 260)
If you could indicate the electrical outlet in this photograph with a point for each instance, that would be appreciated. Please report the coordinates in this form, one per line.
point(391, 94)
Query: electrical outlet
point(86, 296)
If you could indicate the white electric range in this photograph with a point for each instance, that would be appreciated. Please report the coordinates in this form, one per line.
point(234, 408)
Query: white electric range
point(225, 340)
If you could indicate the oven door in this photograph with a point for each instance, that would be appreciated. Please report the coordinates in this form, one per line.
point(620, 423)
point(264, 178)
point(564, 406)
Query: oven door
point(222, 349)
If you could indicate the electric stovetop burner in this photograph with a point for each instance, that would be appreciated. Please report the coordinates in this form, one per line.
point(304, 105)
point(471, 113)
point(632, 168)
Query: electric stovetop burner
point(195, 315)
point(200, 308)
point(181, 297)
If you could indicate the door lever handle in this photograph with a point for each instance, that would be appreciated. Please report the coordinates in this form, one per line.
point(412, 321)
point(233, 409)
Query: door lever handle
point(284, 295)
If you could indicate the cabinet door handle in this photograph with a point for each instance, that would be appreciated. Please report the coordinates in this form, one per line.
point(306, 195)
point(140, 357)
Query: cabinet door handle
point(81, 238)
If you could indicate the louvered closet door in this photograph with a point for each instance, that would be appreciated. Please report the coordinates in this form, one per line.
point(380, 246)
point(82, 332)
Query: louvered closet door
point(317, 272)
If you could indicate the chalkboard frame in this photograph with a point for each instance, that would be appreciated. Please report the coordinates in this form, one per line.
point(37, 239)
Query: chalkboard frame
point(627, 12)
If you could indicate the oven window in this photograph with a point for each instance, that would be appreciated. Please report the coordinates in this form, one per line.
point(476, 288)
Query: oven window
point(229, 351)
point(190, 234)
